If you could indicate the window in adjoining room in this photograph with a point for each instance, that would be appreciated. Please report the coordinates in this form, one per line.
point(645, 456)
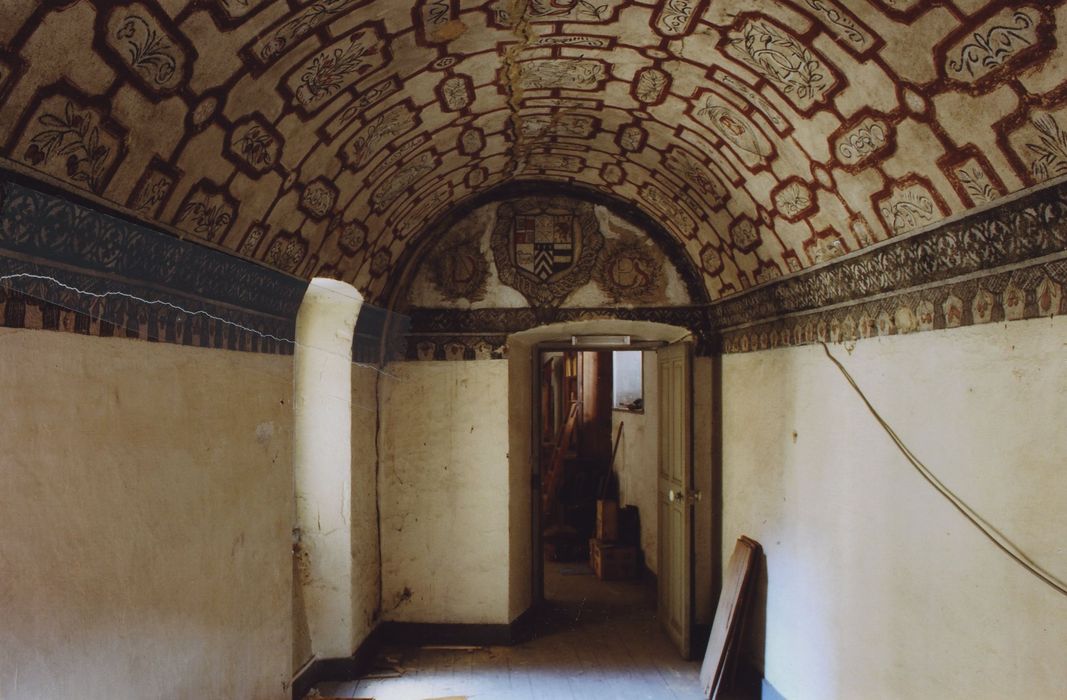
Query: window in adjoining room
point(626, 381)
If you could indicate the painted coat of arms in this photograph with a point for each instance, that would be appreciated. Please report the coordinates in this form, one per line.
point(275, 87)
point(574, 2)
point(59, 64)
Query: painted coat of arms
point(545, 247)
point(544, 243)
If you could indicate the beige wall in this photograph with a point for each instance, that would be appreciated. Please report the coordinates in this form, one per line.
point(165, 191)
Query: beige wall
point(145, 515)
point(445, 492)
point(875, 586)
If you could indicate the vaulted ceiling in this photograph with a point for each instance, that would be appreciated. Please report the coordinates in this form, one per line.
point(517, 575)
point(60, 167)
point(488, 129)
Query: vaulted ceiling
point(324, 138)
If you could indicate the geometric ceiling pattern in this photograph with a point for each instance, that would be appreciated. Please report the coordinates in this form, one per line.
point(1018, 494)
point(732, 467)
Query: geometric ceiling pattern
point(325, 138)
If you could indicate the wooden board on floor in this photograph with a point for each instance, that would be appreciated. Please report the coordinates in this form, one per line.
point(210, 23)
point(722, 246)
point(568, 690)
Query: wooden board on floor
point(726, 627)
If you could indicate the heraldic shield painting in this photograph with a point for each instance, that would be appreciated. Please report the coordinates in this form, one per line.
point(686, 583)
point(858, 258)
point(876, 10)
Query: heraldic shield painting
point(546, 247)
point(544, 243)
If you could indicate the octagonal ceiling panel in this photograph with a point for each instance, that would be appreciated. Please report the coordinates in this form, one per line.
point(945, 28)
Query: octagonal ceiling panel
point(323, 138)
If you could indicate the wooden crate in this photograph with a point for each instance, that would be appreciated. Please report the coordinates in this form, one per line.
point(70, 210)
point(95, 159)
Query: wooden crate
point(607, 520)
point(612, 561)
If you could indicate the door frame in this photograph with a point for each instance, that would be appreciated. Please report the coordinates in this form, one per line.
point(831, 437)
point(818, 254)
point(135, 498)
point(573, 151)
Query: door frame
point(536, 540)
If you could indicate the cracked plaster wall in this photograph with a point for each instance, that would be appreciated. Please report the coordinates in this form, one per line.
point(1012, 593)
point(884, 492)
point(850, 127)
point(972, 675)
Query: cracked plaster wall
point(445, 492)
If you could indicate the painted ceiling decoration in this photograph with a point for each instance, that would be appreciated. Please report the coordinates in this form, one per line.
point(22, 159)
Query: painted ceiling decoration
point(524, 254)
point(1003, 263)
point(326, 138)
point(544, 252)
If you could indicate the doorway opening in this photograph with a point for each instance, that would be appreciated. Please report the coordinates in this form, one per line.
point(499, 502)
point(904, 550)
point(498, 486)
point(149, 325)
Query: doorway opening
point(585, 525)
point(561, 509)
point(596, 506)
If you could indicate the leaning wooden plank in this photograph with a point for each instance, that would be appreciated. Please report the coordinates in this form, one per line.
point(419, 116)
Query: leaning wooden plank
point(741, 614)
point(725, 628)
point(559, 457)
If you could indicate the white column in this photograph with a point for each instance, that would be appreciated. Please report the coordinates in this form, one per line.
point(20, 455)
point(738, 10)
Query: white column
point(323, 461)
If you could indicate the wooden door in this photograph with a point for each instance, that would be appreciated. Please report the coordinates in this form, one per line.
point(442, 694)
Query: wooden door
point(676, 496)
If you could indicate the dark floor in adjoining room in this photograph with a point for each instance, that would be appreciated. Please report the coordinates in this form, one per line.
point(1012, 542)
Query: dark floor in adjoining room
point(595, 639)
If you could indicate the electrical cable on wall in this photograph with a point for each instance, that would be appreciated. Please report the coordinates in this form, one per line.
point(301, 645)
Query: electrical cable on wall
point(6, 281)
point(132, 297)
point(987, 529)
point(994, 535)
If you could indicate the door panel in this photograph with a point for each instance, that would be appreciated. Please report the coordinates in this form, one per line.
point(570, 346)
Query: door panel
point(675, 498)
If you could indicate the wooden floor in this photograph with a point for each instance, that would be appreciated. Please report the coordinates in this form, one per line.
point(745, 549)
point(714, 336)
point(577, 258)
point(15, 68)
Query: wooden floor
point(596, 639)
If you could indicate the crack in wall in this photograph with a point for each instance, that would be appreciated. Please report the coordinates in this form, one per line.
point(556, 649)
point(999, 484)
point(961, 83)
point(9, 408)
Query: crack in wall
point(511, 75)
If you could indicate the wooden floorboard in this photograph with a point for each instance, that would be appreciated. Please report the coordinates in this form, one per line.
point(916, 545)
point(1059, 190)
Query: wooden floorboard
point(594, 639)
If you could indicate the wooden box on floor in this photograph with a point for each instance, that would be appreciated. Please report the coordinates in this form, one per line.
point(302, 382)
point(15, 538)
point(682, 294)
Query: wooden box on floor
point(607, 520)
point(612, 562)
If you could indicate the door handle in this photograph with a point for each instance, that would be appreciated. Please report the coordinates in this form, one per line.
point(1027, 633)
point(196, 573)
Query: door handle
point(693, 497)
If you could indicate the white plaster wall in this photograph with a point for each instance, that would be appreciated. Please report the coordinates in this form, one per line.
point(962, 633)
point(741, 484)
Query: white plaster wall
point(876, 587)
point(444, 485)
point(145, 515)
point(637, 459)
